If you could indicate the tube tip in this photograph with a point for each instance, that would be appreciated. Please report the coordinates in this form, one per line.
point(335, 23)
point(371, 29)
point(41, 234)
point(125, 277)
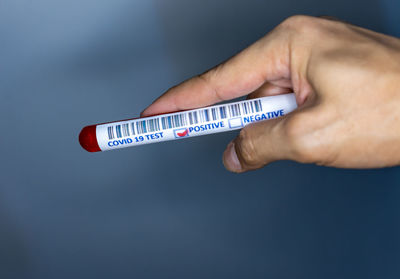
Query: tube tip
point(88, 139)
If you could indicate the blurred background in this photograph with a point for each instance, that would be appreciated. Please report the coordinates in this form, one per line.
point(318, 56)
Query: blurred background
point(167, 210)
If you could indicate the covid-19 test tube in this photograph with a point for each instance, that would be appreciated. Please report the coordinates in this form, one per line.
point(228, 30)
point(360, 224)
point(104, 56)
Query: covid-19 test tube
point(196, 122)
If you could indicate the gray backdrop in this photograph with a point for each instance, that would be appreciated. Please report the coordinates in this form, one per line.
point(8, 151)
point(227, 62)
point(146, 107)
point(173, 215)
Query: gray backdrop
point(167, 210)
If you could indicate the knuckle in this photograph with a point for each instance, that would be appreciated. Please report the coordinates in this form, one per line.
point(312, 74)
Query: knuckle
point(294, 19)
point(304, 25)
point(246, 149)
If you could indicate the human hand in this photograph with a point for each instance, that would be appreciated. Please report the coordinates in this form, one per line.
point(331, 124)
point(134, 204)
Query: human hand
point(347, 85)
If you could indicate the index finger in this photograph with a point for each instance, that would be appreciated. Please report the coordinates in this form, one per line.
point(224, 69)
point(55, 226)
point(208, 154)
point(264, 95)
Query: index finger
point(265, 60)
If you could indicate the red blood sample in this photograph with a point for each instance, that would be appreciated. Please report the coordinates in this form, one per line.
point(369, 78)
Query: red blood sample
point(88, 140)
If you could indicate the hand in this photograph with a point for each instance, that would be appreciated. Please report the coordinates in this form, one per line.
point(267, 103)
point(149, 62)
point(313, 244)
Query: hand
point(347, 85)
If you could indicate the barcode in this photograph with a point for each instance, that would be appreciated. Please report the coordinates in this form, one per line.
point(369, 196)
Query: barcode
point(121, 130)
point(183, 119)
point(147, 126)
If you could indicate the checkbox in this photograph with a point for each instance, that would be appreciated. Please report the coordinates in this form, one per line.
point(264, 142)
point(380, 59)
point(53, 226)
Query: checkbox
point(235, 123)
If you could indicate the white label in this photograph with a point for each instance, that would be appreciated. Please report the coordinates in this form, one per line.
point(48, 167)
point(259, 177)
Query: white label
point(197, 122)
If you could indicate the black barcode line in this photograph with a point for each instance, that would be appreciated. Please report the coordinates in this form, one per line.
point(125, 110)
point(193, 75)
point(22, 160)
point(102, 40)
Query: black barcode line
point(176, 121)
point(125, 130)
point(118, 131)
point(234, 110)
point(110, 132)
point(222, 111)
point(184, 119)
point(148, 126)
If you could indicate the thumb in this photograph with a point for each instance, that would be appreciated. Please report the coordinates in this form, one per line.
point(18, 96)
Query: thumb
point(261, 143)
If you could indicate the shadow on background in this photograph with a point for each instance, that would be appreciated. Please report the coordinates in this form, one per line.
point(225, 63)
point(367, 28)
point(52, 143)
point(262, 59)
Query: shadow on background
point(13, 256)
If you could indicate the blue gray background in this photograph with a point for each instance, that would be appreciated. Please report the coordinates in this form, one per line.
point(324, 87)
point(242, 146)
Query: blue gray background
point(167, 210)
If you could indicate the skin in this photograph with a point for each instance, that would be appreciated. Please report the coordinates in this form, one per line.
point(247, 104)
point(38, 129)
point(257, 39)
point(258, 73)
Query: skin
point(347, 85)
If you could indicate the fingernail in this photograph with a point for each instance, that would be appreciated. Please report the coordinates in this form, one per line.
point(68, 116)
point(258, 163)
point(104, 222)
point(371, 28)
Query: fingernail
point(230, 158)
point(143, 112)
